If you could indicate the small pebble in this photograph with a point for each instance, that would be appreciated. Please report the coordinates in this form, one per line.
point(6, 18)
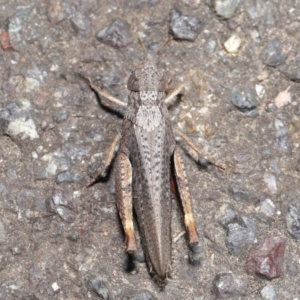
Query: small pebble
point(293, 220)
point(267, 259)
point(64, 177)
point(227, 286)
point(267, 207)
point(260, 90)
point(59, 197)
point(273, 54)
point(210, 47)
point(226, 8)
point(243, 99)
point(283, 98)
point(117, 34)
point(97, 285)
point(233, 44)
point(55, 286)
point(241, 231)
point(23, 128)
point(81, 24)
point(268, 292)
point(183, 27)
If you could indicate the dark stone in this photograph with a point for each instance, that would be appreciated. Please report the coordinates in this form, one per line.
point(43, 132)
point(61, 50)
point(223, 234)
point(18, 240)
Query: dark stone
point(267, 258)
point(184, 27)
point(293, 220)
point(117, 34)
point(273, 54)
point(243, 98)
point(64, 177)
point(97, 285)
point(241, 231)
point(81, 24)
point(50, 205)
point(74, 237)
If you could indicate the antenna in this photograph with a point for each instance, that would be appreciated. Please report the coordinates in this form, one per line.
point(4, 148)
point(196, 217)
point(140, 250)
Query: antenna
point(144, 49)
point(156, 51)
point(162, 46)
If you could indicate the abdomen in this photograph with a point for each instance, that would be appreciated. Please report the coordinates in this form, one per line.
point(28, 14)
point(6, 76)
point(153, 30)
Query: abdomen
point(150, 159)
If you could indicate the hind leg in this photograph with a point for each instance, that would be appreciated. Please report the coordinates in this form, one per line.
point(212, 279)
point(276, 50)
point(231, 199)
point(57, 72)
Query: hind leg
point(185, 197)
point(124, 200)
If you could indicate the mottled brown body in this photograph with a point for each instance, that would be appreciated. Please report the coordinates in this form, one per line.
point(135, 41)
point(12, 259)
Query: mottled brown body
point(147, 148)
point(150, 152)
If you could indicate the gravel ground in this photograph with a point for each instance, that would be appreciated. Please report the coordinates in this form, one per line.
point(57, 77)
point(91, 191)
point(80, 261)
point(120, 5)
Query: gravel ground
point(60, 240)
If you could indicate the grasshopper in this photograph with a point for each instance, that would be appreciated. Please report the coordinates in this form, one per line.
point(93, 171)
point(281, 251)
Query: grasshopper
point(146, 153)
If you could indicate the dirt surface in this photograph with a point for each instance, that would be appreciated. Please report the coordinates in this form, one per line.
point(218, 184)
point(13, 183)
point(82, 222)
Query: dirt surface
point(60, 240)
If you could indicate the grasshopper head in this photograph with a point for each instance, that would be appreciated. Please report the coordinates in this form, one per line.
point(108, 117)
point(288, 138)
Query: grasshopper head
point(147, 78)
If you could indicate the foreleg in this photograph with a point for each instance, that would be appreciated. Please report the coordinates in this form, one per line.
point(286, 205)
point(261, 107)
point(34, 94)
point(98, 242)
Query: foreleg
point(105, 94)
point(108, 159)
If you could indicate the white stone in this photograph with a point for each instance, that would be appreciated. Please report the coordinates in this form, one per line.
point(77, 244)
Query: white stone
point(26, 128)
point(233, 44)
point(260, 90)
point(55, 286)
point(270, 180)
point(268, 292)
point(267, 207)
